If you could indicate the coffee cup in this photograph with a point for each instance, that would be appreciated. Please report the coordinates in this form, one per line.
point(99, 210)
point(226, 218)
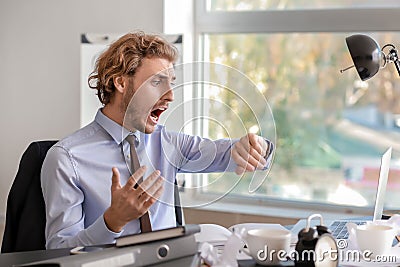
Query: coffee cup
point(267, 246)
point(374, 239)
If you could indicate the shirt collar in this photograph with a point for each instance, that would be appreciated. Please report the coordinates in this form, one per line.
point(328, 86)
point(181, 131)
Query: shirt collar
point(116, 131)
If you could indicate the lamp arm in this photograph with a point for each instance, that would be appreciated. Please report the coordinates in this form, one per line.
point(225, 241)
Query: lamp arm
point(395, 58)
point(387, 45)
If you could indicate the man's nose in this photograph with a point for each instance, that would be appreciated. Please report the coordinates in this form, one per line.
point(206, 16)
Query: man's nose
point(169, 95)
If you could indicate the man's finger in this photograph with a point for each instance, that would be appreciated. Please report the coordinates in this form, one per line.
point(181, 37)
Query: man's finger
point(256, 159)
point(244, 142)
point(259, 145)
point(133, 180)
point(152, 189)
point(253, 140)
point(239, 170)
point(148, 182)
point(265, 146)
point(252, 158)
point(239, 159)
point(153, 198)
point(115, 180)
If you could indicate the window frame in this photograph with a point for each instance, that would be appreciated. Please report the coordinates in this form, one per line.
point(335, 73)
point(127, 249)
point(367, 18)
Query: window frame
point(352, 19)
point(287, 21)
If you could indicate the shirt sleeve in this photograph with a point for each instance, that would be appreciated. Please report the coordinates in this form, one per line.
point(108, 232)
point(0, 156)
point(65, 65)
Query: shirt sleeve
point(65, 217)
point(202, 155)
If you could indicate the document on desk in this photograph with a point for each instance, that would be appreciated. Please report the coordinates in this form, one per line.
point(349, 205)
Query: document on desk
point(139, 255)
point(214, 233)
point(217, 235)
point(161, 234)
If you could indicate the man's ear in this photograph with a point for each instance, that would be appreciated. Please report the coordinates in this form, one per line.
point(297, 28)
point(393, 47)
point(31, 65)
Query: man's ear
point(120, 83)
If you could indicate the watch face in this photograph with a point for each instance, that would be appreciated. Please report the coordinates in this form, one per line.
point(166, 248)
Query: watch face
point(326, 252)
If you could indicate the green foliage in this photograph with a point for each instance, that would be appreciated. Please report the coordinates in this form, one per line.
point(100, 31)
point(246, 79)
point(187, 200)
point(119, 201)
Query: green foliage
point(298, 74)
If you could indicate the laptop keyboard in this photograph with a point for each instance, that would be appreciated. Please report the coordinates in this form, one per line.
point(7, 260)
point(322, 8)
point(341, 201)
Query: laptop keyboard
point(339, 229)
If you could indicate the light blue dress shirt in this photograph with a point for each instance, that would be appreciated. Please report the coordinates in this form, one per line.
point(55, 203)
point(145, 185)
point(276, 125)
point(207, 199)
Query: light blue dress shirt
point(76, 177)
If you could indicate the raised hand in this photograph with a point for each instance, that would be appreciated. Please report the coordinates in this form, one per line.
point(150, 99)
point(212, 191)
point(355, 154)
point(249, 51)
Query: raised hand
point(249, 153)
point(129, 203)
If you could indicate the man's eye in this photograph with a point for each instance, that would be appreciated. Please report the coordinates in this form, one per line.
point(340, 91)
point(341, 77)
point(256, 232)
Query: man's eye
point(172, 83)
point(156, 82)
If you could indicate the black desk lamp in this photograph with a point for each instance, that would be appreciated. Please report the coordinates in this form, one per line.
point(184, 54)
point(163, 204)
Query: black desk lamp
point(368, 58)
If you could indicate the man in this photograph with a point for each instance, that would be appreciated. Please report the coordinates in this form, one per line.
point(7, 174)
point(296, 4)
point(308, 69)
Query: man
point(133, 79)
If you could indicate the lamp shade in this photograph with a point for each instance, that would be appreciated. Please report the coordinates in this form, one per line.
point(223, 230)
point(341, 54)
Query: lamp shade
point(366, 55)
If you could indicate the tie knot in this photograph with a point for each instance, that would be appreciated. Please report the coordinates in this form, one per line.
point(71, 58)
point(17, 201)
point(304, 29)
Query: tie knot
point(131, 139)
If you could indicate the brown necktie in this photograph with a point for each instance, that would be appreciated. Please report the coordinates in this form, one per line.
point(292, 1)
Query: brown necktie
point(145, 224)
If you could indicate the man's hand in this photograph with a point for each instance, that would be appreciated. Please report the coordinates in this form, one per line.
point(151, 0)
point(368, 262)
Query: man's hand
point(249, 153)
point(128, 203)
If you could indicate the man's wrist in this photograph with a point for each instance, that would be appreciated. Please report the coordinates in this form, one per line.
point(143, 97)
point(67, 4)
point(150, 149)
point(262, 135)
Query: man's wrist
point(110, 222)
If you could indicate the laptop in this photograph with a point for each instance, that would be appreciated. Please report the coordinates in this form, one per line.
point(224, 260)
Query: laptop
point(338, 227)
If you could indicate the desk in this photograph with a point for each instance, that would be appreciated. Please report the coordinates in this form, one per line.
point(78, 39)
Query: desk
point(10, 259)
point(20, 258)
point(17, 258)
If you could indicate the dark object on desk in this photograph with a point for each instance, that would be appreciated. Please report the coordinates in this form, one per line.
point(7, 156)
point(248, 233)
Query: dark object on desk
point(25, 217)
point(387, 214)
point(128, 240)
point(311, 241)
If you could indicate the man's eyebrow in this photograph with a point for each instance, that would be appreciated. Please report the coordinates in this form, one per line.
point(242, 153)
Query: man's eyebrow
point(163, 76)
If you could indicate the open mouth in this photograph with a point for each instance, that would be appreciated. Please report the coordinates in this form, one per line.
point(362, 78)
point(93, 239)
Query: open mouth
point(156, 113)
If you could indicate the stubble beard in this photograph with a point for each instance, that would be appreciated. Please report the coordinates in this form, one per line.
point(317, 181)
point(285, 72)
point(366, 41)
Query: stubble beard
point(129, 110)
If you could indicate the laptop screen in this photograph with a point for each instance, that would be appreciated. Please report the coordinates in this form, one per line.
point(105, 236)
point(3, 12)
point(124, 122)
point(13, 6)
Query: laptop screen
point(383, 178)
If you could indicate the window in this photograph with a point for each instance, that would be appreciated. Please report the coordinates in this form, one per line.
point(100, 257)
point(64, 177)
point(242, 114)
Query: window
point(246, 5)
point(331, 128)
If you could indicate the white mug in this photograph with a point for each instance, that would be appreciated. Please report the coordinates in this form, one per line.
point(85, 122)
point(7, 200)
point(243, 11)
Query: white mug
point(267, 246)
point(374, 239)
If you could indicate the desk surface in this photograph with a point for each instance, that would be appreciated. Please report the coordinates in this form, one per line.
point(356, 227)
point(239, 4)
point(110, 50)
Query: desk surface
point(16, 258)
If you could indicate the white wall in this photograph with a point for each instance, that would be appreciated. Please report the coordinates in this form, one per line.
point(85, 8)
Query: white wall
point(40, 66)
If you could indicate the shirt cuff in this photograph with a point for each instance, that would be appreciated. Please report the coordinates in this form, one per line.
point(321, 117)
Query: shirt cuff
point(99, 233)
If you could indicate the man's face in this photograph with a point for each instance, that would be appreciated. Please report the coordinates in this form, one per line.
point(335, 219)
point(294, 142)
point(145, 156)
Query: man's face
point(148, 94)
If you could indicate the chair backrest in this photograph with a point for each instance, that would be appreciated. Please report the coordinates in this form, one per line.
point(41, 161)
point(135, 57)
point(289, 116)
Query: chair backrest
point(25, 216)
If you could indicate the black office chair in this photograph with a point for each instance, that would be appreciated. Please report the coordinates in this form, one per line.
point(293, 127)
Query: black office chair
point(25, 216)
